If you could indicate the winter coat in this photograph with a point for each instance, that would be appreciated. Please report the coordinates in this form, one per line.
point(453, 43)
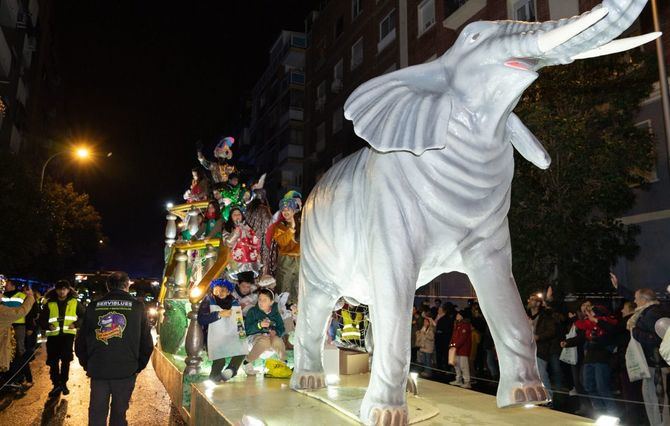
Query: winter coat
point(443, 331)
point(254, 317)
point(425, 339)
point(7, 317)
point(114, 341)
point(461, 338)
point(52, 296)
point(598, 339)
point(548, 334)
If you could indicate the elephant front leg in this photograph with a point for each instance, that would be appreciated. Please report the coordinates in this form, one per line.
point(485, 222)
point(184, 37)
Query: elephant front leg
point(314, 309)
point(490, 271)
point(391, 318)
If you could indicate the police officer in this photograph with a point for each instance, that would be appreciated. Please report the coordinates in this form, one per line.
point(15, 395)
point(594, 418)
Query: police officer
point(61, 315)
point(113, 345)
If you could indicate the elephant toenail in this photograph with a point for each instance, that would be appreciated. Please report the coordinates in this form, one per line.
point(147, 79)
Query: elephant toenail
point(519, 396)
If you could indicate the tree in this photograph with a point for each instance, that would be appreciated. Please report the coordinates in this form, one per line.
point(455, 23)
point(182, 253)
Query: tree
point(74, 230)
point(45, 235)
point(563, 220)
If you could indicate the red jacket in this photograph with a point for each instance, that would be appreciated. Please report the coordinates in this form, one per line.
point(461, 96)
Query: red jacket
point(461, 338)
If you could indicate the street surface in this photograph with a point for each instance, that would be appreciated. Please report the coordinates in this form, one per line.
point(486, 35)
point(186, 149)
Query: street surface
point(150, 404)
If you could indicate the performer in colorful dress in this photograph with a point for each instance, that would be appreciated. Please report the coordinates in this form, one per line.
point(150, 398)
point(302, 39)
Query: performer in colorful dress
point(221, 168)
point(233, 193)
point(243, 243)
point(286, 234)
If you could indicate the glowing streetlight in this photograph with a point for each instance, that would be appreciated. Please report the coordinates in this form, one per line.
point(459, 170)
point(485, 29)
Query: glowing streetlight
point(81, 153)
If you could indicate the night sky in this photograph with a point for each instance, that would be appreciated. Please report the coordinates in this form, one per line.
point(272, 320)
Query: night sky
point(146, 80)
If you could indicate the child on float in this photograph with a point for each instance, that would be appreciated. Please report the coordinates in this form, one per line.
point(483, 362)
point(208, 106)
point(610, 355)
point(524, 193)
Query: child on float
point(461, 342)
point(243, 243)
point(220, 316)
point(213, 221)
point(264, 327)
point(199, 189)
point(245, 291)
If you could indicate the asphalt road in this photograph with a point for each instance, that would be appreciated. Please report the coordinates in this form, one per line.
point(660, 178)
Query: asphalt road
point(150, 404)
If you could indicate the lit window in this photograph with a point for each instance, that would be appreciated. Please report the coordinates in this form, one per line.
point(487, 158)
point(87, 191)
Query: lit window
point(426, 15)
point(357, 53)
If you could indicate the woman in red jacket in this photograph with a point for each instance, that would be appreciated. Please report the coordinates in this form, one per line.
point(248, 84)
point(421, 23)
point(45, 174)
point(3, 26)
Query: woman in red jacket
point(461, 339)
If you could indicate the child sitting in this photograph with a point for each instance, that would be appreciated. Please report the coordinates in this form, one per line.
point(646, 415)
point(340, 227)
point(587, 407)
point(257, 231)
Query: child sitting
point(461, 339)
point(264, 327)
point(221, 319)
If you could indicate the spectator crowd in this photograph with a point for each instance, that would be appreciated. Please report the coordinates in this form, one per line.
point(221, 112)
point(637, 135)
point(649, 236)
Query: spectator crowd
point(595, 357)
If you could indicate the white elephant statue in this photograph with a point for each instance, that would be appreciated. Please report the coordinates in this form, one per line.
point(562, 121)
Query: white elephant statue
point(431, 195)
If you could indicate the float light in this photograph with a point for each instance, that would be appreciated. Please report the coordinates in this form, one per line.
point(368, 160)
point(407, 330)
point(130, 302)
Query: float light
point(169, 205)
point(196, 292)
point(332, 379)
point(607, 421)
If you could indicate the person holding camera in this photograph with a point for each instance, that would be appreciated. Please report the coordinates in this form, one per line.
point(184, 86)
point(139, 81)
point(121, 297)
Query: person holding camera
point(265, 328)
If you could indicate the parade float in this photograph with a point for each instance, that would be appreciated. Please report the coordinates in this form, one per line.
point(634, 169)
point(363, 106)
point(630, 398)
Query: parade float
point(443, 135)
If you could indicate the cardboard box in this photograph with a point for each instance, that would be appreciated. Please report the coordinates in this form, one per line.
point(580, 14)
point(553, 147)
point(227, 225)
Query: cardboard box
point(353, 362)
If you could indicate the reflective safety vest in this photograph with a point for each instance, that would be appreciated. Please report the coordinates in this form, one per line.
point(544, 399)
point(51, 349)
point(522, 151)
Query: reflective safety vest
point(350, 329)
point(14, 302)
point(69, 318)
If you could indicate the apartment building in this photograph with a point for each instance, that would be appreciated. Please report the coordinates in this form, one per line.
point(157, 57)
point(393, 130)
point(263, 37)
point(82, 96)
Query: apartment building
point(19, 28)
point(352, 41)
point(277, 104)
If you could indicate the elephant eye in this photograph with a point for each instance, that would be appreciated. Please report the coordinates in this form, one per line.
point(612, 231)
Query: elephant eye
point(474, 37)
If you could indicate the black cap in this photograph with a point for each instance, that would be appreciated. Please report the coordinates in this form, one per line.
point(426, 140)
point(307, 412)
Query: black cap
point(246, 276)
point(62, 284)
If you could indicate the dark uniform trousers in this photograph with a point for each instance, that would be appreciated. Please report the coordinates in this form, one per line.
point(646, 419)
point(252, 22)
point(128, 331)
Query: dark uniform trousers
point(60, 352)
point(119, 390)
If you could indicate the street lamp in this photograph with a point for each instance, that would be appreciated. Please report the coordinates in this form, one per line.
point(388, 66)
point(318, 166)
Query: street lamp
point(81, 153)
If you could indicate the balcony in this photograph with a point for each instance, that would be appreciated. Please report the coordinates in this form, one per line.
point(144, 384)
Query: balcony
point(458, 12)
point(9, 13)
point(5, 57)
point(290, 151)
point(295, 114)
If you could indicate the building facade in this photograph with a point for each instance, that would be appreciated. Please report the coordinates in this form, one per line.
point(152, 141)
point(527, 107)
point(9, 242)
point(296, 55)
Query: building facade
point(352, 41)
point(20, 30)
point(277, 114)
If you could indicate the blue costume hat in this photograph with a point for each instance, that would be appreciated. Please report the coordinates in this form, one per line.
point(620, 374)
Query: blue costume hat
point(291, 203)
point(221, 282)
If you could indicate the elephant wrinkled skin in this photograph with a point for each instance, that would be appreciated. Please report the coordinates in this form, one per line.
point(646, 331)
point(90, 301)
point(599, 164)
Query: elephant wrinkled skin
point(431, 195)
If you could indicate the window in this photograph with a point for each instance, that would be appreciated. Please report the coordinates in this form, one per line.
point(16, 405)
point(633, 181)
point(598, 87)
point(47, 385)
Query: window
point(321, 95)
point(386, 31)
point(524, 10)
point(338, 115)
point(357, 53)
point(356, 8)
point(321, 137)
point(426, 15)
point(339, 26)
point(451, 6)
point(338, 71)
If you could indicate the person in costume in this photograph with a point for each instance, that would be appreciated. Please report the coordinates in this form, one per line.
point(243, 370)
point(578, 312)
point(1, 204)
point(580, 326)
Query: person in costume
point(243, 243)
point(8, 315)
point(287, 236)
point(60, 318)
point(213, 221)
point(259, 217)
point(220, 317)
point(265, 328)
point(199, 189)
point(233, 193)
point(221, 168)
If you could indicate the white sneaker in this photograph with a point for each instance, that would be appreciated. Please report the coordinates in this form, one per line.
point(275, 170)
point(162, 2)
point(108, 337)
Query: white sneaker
point(249, 369)
point(455, 383)
point(573, 392)
point(466, 386)
point(227, 374)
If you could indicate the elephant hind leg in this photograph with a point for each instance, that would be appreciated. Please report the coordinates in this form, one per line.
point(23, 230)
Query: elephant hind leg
point(314, 310)
point(490, 271)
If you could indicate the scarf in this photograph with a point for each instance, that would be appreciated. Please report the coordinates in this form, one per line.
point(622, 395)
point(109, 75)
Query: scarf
point(632, 321)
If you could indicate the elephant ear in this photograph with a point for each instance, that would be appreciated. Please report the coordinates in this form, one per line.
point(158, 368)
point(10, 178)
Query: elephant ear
point(406, 110)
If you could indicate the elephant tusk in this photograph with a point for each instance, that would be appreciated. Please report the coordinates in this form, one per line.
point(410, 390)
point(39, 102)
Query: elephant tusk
point(556, 37)
point(617, 46)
